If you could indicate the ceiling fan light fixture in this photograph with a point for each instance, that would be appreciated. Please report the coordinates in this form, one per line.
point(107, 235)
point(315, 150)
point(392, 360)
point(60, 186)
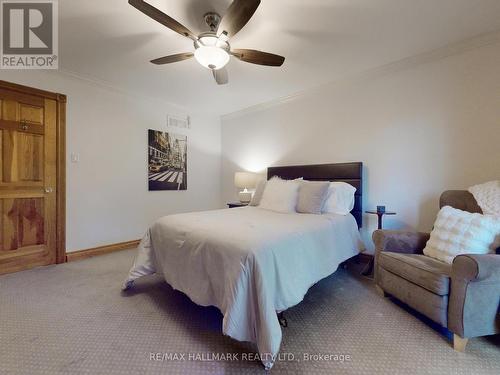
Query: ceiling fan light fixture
point(211, 52)
point(212, 57)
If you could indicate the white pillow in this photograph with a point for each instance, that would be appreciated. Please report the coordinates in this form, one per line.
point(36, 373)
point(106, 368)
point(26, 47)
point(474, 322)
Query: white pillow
point(312, 196)
point(459, 232)
point(340, 198)
point(257, 195)
point(487, 196)
point(280, 195)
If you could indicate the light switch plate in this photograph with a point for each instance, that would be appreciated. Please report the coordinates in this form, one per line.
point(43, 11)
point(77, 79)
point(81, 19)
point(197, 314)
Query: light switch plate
point(75, 158)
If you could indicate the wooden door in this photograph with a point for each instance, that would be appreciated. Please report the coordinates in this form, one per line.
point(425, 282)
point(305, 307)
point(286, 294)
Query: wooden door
point(28, 179)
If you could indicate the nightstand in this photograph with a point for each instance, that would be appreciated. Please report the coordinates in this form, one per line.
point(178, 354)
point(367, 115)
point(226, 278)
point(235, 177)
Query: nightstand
point(236, 204)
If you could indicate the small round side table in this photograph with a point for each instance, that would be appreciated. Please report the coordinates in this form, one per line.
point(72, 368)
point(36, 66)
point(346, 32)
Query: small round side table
point(369, 267)
point(380, 216)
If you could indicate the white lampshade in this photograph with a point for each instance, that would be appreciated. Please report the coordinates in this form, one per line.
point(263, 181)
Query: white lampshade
point(212, 57)
point(212, 52)
point(245, 180)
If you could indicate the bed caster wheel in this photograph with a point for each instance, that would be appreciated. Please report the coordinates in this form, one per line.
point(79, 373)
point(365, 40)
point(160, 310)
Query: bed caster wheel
point(282, 320)
point(128, 285)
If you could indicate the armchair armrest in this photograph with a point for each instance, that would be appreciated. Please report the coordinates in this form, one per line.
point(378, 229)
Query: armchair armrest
point(474, 267)
point(475, 295)
point(398, 241)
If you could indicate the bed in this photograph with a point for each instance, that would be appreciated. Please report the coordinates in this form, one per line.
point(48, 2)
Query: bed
point(253, 263)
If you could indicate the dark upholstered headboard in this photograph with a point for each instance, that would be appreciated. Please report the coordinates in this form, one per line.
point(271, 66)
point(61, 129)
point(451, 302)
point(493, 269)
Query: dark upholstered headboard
point(352, 173)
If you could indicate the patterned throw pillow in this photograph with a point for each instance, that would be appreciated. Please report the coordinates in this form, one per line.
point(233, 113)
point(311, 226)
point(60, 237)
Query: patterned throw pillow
point(459, 232)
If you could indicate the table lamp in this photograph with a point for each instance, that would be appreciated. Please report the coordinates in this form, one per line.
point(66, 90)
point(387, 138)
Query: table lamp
point(245, 181)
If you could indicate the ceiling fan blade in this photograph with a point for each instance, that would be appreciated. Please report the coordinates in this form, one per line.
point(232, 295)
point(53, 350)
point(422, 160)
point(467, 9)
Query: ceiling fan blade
point(162, 18)
point(258, 57)
point(172, 58)
point(221, 76)
point(237, 16)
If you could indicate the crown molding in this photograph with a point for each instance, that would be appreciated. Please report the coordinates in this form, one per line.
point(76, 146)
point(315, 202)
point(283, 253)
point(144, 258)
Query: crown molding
point(452, 49)
point(105, 85)
point(441, 53)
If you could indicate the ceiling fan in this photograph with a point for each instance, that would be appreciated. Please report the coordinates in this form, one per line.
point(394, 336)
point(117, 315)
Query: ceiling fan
point(212, 49)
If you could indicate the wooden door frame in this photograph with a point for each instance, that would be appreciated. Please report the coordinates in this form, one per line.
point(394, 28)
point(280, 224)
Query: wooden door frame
point(61, 101)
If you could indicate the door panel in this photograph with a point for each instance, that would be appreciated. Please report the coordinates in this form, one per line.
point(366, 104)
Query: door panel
point(28, 158)
point(31, 114)
point(23, 223)
point(9, 110)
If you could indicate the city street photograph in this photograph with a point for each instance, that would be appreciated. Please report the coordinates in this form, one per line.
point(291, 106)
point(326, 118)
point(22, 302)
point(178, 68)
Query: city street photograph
point(167, 161)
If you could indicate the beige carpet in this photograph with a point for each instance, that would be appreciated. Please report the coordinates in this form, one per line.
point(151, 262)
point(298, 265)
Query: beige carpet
point(72, 319)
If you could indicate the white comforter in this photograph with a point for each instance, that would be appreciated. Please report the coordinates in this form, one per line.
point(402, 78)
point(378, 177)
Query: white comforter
point(248, 262)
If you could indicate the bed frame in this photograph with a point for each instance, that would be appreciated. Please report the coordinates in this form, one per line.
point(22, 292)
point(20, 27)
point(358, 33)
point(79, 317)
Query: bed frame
point(352, 173)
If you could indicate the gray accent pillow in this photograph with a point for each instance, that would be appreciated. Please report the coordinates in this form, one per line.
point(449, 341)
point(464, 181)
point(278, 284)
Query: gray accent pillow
point(312, 196)
point(257, 195)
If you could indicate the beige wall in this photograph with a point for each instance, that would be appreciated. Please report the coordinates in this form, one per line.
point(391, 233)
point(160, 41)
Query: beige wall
point(418, 130)
point(107, 193)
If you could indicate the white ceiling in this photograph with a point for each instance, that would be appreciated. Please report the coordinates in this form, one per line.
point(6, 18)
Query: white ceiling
point(322, 40)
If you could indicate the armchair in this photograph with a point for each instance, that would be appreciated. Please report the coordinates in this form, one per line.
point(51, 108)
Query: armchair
point(463, 297)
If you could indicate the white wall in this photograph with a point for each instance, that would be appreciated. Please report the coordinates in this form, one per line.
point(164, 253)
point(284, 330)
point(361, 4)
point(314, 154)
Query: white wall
point(418, 130)
point(107, 193)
